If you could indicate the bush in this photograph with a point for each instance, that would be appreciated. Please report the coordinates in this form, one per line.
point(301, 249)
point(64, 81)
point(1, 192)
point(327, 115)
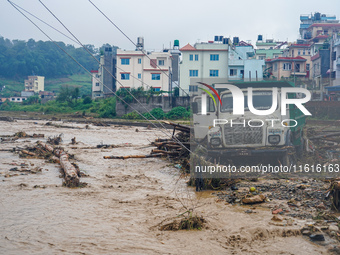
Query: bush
point(178, 113)
point(87, 100)
point(158, 113)
point(132, 116)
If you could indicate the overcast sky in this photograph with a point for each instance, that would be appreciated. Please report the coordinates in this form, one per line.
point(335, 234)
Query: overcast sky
point(161, 22)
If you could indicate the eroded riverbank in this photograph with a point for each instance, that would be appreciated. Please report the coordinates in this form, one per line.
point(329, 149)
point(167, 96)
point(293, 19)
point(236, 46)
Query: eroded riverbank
point(124, 202)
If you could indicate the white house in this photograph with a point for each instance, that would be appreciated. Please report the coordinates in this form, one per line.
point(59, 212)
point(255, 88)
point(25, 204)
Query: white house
point(135, 69)
point(35, 83)
point(206, 62)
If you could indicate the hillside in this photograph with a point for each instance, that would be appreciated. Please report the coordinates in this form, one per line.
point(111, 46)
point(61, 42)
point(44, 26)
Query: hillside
point(13, 87)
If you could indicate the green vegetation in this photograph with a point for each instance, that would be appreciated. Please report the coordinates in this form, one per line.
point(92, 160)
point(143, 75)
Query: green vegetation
point(68, 101)
point(81, 81)
point(175, 114)
point(19, 58)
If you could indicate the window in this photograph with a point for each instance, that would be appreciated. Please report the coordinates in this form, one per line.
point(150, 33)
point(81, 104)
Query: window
point(213, 73)
point(13, 99)
point(309, 52)
point(261, 57)
point(275, 67)
point(193, 88)
point(125, 61)
point(193, 73)
point(155, 76)
point(307, 67)
point(139, 61)
point(125, 76)
point(287, 66)
point(292, 53)
point(299, 52)
point(97, 84)
point(139, 76)
point(214, 57)
point(156, 89)
point(304, 52)
point(191, 57)
point(196, 57)
point(18, 99)
point(161, 62)
point(233, 72)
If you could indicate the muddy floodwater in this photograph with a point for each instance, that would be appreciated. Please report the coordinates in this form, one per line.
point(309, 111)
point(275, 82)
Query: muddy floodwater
point(120, 209)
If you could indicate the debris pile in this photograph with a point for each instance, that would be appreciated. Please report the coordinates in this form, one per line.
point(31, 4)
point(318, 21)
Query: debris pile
point(176, 149)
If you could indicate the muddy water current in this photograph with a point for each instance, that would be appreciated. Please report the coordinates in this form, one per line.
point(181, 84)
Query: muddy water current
point(119, 211)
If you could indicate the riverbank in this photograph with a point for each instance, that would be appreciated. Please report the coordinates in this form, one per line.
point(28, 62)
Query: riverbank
point(124, 202)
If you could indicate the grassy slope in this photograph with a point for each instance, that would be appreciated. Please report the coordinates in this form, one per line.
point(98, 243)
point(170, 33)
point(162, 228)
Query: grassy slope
point(83, 81)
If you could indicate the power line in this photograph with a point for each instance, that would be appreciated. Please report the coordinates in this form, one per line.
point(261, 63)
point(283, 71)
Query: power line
point(108, 72)
point(144, 83)
point(131, 41)
point(99, 81)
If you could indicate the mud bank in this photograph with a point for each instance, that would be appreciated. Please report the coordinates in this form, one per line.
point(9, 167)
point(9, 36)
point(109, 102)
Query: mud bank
point(120, 209)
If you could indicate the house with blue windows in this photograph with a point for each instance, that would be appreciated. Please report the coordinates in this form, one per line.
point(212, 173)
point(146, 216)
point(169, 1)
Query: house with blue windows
point(242, 63)
point(135, 69)
point(203, 62)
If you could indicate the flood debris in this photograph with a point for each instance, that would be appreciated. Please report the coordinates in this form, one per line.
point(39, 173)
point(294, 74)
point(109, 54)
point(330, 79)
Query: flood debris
point(181, 222)
point(20, 134)
point(134, 156)
point(175, 149)
point(55, 140)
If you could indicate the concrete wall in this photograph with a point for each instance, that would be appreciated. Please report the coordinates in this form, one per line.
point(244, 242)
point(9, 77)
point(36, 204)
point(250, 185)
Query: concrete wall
point(166, 103)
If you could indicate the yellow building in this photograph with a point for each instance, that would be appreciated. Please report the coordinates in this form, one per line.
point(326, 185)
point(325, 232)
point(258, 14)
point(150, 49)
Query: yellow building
point(35, 83)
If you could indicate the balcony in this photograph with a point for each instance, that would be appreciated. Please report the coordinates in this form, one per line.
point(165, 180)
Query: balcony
point(298, 73)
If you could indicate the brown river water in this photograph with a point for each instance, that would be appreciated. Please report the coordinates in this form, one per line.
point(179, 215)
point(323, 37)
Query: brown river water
point(119, 211)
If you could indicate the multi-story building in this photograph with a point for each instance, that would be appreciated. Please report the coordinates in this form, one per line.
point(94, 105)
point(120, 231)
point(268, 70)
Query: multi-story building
point(303, 50)
point(269, 48)
point(104, 79)
point(205, 62)
point(321, 33)
point(243, 65)
point(287, 67)
point(336, 59)
point(97, 87)
point(34, 83)
point(137, 69)
point(308, 19)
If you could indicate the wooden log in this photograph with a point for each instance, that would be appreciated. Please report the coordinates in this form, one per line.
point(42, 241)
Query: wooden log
point(325, 135)
point(29, 153)
point(70, 172)
point(46, 146)
point(133, 156)
point(164, 152)
point(178, 126)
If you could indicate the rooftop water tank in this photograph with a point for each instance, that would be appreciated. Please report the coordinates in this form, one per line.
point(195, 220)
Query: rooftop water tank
point(259, 37)
point(176, 43)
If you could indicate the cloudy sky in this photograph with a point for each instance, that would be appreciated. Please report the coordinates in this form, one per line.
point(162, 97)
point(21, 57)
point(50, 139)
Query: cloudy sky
point(161, 22)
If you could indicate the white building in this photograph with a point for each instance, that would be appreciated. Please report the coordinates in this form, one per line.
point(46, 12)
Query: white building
point(206, 62)
point(97, 87)
point(35, 83)
point(17, 99)
point(135, 69)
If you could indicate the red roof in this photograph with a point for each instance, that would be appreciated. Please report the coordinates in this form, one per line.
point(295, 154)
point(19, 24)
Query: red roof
point(321, 36)
point(94, 71)
point(315, 57)
point(325, 25)
point(286, 58)
point(300, 45)
point(243, 43)
point(187, 47)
